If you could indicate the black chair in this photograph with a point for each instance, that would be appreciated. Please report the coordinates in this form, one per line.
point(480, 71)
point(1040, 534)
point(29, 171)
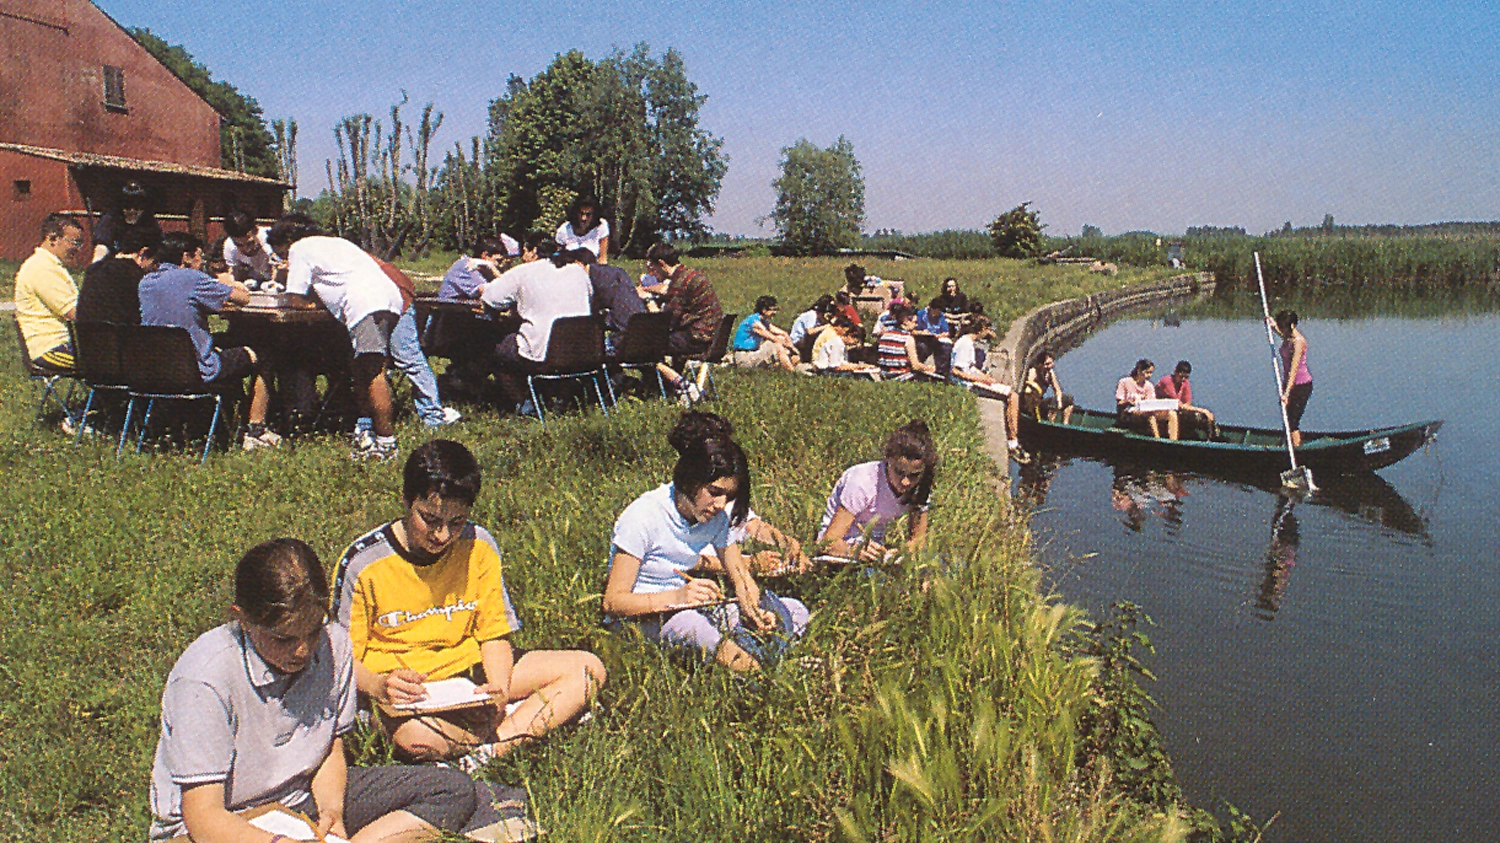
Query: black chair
point(47, 378)
point(97, 359)
point(161, 363)
point(702, 365)
point(642, 345)
point(575, 350)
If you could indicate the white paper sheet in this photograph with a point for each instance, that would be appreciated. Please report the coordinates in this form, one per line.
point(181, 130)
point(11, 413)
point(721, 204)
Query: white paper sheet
point(281, 822)
point(445, 693)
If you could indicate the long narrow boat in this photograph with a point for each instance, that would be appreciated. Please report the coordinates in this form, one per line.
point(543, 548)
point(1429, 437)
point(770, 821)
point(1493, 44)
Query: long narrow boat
point(1237, 448)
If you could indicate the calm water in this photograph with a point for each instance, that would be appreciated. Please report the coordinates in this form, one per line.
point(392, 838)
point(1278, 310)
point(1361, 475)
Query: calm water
point(1332, 660)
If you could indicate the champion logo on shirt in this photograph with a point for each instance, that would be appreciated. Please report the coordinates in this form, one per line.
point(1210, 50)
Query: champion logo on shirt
point(398, 618)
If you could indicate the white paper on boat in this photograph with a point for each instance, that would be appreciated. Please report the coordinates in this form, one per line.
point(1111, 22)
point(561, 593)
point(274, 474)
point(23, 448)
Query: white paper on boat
point(1155, 405)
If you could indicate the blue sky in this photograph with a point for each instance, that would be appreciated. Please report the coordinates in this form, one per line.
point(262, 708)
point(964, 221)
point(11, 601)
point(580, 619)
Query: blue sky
point(1123, 115)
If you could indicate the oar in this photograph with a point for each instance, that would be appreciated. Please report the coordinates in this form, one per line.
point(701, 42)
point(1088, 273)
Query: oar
point(1293, 478)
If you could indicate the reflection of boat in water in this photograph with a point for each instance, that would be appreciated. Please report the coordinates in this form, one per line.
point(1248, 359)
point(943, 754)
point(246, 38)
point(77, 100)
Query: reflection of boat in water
point(1245, 449)
point(1365, 495)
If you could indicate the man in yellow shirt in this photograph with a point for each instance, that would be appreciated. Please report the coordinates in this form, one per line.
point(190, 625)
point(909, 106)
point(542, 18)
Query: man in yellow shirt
point(47, 298)
point(424, 598)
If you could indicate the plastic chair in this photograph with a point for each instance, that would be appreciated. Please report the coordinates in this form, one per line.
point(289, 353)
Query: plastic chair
point(161, 364)
point(97, 359)
point(643, 344)
point(47, 378)
point(575, 350)
point(704, 363)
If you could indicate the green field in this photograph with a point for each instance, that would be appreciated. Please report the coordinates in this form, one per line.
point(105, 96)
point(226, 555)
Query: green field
point(947, 700)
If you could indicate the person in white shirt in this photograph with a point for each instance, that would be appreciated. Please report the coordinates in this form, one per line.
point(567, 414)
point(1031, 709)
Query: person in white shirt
point(968, 373)
point(541, 292)
point(353, 287)
point(830, 353)
point(247, 254)
point(585, 229)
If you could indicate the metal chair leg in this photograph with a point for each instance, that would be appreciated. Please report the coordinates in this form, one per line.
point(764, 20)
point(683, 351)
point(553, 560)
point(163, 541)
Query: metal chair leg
point(83, 419)
point(599, 392)
point(145, 424)
point(125, 429)
point(661, 382)
point(208, 439)
point(610, 382)
point(536, 402)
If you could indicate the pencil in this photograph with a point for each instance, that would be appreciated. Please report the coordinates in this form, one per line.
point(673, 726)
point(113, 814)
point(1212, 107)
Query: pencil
point(312, 825)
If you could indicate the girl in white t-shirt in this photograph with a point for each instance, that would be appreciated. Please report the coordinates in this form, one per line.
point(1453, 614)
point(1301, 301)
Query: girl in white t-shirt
point(585, 229)
point(870, 496)
point(685, 525)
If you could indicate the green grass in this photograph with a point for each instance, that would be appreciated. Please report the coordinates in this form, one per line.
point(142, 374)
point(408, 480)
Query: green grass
point(8, 279)
point(939, 702)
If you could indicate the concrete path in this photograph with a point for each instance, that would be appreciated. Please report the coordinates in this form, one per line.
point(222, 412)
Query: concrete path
point(7, 306)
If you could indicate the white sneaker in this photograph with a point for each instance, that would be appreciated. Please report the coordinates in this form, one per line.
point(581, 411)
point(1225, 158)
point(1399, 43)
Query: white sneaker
point(693, 393)
point(476, 759)
point(451, 415)
point(267, 439)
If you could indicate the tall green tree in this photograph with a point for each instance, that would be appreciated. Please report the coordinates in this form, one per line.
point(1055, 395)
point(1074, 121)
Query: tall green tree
point(820, 198)
point(624, 130)
point(245, 144)
point(1017, 233)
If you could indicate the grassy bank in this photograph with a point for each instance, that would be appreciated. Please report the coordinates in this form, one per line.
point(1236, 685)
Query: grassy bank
point(946, 700)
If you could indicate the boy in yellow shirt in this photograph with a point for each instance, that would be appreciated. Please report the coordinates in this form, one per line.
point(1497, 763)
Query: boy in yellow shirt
point(424, 599)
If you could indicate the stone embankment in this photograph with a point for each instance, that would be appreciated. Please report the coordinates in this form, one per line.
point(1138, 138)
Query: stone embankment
point(1065, 324)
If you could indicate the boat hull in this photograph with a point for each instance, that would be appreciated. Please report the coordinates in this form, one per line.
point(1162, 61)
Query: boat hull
point(1256, 450)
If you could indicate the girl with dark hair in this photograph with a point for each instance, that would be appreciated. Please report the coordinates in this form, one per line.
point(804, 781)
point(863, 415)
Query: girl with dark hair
point(1296, 379)
point(585, 229)
point(254, 713)
point(758, 343)
point(685, 525)
point(1131, 391)
point(871, 496)
point(950, 299)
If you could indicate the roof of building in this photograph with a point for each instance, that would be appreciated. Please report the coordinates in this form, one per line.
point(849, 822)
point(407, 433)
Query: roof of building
point(90, 159)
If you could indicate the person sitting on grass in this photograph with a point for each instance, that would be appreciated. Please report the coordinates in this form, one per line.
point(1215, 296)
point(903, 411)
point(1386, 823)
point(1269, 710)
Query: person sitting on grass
point(758, 343)
point(871, 496)
point(831, 351)
point(952, 300)
point(255, 712)
point(353, 287)
point(809, 324)
point(934, 337)
point(179, 294)
point(1176, 386)
point(685, 525)
point(966, 371)
point(1040, 380)
point(1131, 391)
point(897, 349)
point(424, 598)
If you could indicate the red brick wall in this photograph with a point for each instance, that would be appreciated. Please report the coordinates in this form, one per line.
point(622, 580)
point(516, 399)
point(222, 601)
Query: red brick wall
point(52, 88)
point(21, 216)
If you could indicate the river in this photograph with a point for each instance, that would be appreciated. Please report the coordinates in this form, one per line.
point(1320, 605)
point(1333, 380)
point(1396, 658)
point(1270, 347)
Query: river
point(1331, 661)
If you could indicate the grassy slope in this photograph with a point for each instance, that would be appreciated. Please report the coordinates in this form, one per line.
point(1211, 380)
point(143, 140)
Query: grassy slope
point(933, 713)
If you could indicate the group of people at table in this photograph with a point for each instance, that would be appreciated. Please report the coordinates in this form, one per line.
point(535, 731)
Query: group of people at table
point(256, 712)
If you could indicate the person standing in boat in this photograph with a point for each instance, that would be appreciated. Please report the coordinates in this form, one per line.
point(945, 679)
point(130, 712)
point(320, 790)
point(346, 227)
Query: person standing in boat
point(1296, 380)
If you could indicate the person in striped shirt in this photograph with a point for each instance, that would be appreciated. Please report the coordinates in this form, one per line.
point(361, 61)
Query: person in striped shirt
point(897, 350)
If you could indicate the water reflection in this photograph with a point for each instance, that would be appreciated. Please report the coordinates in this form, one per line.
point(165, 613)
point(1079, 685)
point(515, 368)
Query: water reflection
point(1140, 495)
point(1281, 557)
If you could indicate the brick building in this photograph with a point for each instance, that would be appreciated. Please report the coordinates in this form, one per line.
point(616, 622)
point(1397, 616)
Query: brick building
point(84, 109)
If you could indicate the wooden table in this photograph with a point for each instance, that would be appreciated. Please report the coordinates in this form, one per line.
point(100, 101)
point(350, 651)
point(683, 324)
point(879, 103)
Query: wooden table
point(275, 310)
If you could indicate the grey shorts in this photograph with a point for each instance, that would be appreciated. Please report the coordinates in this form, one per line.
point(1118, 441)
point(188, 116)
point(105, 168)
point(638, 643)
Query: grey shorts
point(372, 334)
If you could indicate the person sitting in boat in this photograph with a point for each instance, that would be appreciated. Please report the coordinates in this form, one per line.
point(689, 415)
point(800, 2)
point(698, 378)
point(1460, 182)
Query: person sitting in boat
point(1041, 379)
point(1177, 387)
point(1135, 400)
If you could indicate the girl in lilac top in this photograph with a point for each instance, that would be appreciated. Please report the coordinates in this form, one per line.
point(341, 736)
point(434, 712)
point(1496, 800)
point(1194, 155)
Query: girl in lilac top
point(870, 496)
point(1297, 382)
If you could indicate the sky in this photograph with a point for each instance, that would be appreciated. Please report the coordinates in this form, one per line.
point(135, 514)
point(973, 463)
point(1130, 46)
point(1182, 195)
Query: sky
point(1126, 116)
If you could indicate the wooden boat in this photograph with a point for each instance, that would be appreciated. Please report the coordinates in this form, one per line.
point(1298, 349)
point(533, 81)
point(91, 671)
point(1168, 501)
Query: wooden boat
point(1252, 449)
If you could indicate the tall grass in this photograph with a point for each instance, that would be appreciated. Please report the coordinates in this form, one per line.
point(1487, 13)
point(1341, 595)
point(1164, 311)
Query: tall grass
point(937, 701)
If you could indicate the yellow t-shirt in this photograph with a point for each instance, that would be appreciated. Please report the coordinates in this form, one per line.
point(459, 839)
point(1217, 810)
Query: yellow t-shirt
point(44, 293)
point(430, 618)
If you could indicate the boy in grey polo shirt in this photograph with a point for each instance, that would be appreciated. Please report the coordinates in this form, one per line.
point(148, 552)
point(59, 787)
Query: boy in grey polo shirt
point(254, 712)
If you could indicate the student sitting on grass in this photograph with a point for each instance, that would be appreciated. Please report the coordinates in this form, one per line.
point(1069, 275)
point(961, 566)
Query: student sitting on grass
point(870, 496)
point(178, 293)
point(831, 352)
point(675, 528)
point(759, 344)
point(809, 325)
point(424, 598)
point(255, 711)
point(897, 349)
point(966, 371)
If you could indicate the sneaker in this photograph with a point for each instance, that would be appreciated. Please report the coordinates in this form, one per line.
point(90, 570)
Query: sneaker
point(1019, 456)
point(267, 439)
point(451, 415)
point(375, 450)
point(476, 759)
point(694, 393)
point(68, 427)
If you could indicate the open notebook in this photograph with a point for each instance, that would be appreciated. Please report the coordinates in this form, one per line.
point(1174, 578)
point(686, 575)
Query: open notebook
point(280, 821)
point(446, 694)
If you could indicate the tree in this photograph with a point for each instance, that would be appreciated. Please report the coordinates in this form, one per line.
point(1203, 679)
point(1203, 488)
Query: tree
point(1017, 233)
point(1091, 231)
point(1327, 224)
point(244, 142)
point(820, 198)
point(623, 130)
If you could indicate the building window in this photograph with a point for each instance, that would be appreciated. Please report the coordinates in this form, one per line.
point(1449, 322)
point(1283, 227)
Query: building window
point(114, 89)
point(22, 189)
